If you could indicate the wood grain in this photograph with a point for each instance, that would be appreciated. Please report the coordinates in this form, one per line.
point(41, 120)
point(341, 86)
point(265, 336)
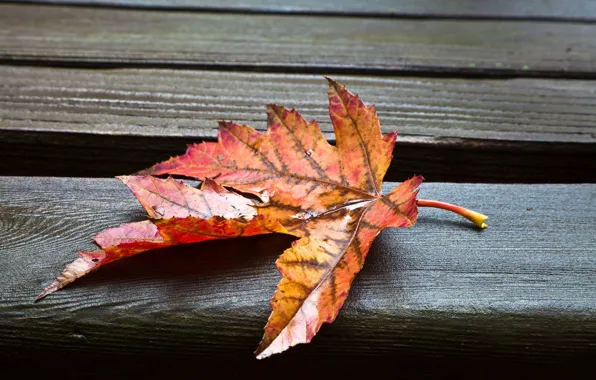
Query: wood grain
point(554, 9)
point(520, 291)
point(79, 36)
point(67, 122)
point(189, 103)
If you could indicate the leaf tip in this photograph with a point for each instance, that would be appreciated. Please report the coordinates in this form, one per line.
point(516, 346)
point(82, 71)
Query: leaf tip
point(267, 349)
point(54, 286)
point(261, 356)
point(223, 124)
point(125, 178)
point(274, 107)
point(275, 111)
point(390, 137)
point(47, 291)
point(333, 83)
point(418, 179)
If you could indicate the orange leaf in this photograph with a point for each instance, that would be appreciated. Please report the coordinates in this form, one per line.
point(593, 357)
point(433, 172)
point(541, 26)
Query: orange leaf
point(181, 214)
point(329, 195)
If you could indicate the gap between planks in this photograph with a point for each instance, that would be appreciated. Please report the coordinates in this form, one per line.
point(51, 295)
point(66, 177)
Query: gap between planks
point(531, 10)
point(101, 123)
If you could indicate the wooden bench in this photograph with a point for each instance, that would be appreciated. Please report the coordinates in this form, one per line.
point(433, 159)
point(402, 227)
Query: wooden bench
point(499, 99)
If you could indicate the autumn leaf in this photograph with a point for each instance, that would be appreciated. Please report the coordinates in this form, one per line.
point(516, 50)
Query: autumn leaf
point(329, 195)
point(180, 214)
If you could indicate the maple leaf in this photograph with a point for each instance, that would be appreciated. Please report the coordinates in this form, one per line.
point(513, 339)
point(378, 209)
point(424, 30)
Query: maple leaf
point(180, 214)
point(330, 196)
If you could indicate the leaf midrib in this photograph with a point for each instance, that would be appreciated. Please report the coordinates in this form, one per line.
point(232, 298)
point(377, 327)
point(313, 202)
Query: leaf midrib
point(332, 267)
point(297, 143)
point(328, 272)
point(270, 164)
point(302, 178)
point(364, 148)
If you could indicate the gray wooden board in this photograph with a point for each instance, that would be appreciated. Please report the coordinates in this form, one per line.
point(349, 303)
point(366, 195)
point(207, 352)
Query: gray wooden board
point(68, 122)
point(521, 290)
point(554, 9)
point(75, 35)
point(148, 102)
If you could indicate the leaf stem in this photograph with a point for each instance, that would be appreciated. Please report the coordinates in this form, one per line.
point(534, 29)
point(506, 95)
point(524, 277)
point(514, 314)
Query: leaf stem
point(473, 216)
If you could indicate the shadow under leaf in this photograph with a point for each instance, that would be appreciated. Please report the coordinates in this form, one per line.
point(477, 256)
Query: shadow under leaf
point(211, 261)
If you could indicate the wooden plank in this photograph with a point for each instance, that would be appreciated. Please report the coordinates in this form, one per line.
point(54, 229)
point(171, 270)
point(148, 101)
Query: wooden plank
point(556, 9)
point(520, 291)
point(77, 36)
point(148, 102)
point(108, 122)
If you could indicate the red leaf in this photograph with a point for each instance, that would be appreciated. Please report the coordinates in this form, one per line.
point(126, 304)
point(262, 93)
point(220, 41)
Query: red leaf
point(329, 195)
point(181, 214)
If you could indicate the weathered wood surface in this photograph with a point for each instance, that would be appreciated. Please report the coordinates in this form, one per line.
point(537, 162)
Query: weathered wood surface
point(82, 36)
point(68, 122)
point(439, 297)
point(535, 9)
point(520, 291)
point(148, 102)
